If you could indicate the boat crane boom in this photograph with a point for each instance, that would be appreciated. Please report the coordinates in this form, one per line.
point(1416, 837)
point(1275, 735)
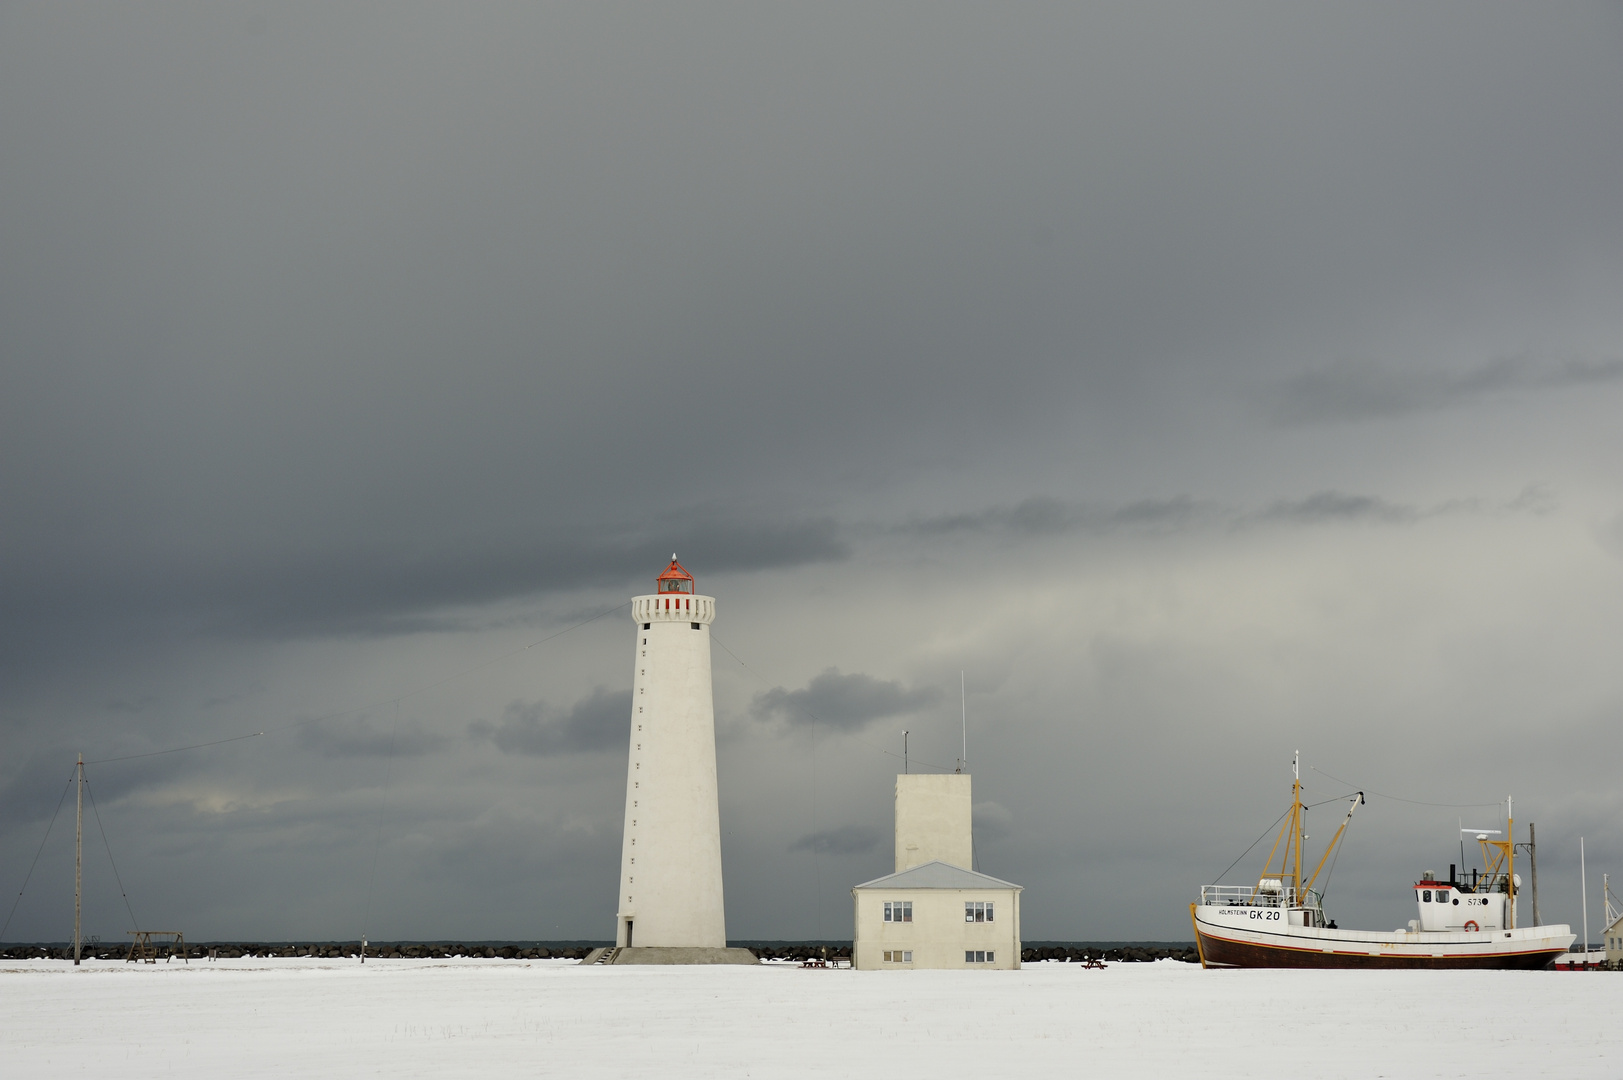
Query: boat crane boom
point(1357, 801)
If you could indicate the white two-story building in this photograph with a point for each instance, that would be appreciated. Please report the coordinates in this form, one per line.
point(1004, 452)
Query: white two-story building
point(934, 911)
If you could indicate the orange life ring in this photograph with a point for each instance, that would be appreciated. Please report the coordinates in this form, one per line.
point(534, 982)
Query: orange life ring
point(1471, 925)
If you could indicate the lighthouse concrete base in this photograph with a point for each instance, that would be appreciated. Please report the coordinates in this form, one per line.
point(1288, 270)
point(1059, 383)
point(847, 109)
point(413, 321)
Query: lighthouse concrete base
point(671, 956)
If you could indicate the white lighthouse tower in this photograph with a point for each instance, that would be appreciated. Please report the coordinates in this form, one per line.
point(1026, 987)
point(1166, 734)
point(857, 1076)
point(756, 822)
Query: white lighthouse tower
point(670, 904)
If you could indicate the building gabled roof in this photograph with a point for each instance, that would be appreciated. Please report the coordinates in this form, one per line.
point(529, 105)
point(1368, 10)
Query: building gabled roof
point(938, 875)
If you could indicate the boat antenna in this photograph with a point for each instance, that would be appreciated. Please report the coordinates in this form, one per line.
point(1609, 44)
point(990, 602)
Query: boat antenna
point(963, 704)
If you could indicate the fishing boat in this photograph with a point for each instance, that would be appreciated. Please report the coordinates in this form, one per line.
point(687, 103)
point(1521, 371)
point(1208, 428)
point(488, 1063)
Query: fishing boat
point(1465, 922)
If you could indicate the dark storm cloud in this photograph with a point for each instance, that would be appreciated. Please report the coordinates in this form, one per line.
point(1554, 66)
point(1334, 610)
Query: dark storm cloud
point(842, 702)
point(360, 738)
point(597, 722)
point(401, 588)
point(1349, 391)
point(1333, 506)
point(845, 840)
point(1042, 515)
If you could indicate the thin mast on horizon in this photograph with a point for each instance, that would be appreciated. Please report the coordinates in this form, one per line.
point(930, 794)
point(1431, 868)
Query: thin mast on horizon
point(963, 704)
point(78, 850)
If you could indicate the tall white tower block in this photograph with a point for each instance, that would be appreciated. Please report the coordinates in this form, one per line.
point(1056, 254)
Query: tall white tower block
point(933, 820)
point(670, 905)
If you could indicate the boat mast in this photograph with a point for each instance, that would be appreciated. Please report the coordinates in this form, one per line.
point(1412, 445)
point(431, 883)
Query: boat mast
point(1510, 848)
point(1296, 824)
point(1532, 856)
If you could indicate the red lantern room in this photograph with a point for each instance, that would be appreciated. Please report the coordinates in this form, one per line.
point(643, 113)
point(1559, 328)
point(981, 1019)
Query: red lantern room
point(674, 580)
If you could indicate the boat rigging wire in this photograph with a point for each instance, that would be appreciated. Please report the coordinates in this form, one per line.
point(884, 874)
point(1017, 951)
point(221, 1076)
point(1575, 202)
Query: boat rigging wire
point(1399, 798)
point(47, 836)
point(1247, 851)
point(176, 750)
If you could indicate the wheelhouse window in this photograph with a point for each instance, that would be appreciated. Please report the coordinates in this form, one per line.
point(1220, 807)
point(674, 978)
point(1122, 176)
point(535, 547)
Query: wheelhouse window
point(898, 911)
point(978, 910)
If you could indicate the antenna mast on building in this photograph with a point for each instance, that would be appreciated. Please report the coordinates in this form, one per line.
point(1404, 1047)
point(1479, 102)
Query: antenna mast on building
point(963, 704)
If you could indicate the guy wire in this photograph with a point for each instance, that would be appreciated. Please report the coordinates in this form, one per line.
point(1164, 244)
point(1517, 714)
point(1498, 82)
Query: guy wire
point(47, 836)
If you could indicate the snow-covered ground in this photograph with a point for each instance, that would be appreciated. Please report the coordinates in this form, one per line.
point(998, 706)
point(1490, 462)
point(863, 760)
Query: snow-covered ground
point(496, 1018)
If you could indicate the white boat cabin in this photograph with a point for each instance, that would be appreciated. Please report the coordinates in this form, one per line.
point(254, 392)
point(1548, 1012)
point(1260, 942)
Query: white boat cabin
point(1459, 905)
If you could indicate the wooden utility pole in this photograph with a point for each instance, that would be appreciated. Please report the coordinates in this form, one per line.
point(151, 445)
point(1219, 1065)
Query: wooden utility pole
point(78, 854)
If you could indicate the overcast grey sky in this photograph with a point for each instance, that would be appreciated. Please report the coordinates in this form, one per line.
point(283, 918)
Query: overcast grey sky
point(1205, 382)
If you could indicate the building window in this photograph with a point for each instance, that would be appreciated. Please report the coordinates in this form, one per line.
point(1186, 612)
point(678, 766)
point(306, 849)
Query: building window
point(898, 956)
point(975, 956)
point(977, 911)
point(694, 625)
point(898, 911)
point(645, 626)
